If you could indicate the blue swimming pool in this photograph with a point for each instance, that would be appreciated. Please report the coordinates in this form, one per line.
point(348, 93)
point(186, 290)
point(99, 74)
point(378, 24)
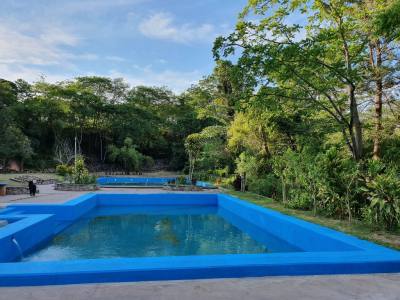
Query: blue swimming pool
point(151, 231)
point(136, 237)
point(144, 182)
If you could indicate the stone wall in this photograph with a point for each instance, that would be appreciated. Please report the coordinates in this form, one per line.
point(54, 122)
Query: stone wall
point(17, 190)
point(75, 187)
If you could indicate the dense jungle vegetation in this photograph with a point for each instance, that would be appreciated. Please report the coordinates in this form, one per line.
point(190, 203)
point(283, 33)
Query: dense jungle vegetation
point(307, 113)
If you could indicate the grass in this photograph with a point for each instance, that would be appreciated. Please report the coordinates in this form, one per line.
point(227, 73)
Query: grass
point(357, 228)
point(6, 177)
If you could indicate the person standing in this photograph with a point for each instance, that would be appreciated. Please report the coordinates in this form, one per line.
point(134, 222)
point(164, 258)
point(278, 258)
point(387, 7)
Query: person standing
point(34, 188)
point(30, 186)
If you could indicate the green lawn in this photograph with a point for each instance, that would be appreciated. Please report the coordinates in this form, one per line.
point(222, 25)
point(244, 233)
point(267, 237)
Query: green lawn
point(6, 177)
point(356, 228)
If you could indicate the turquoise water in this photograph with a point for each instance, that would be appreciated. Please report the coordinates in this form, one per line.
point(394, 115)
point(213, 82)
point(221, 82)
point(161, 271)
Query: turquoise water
point(112, 232)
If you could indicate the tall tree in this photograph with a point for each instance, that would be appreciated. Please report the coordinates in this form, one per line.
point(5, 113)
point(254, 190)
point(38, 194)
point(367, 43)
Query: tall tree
point(318, 63)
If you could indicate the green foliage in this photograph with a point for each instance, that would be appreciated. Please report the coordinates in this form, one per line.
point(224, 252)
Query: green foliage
point(193, 146)
point(128, 157)
point(384, 196)
point(181, 180)
point(80, 174)
point(100, 112)
point(328, 182)
point(14, 145)
point(387, 22)
point(266, 185)
point(64, 170)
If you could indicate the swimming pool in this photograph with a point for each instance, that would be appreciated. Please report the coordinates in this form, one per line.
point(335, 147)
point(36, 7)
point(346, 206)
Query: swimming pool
point(136, 237)
point(144, 182)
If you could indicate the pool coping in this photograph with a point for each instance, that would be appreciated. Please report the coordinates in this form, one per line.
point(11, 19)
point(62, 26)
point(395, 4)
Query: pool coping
point(157, 182)
point(370, 258)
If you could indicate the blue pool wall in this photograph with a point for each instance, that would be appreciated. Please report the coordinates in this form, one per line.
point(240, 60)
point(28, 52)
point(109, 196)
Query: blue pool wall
point(105, 181)
point(133, 180)
point(304, 235)
point(326, 251)
point(39, 222)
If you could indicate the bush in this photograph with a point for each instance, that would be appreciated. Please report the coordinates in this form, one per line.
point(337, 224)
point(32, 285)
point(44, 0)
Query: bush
point(268, 185)
point(329, 182)
point(181, 180)
point(302, 200)
point(129, 158)
point(80, 174)
point(147, 162)
point(384, 195)
point(64, 170)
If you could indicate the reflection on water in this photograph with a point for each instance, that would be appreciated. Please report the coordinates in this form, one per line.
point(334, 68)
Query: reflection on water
point(143, 235)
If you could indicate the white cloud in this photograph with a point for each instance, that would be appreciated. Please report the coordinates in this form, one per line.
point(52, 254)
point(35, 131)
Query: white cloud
point(57, 36)
point(76, 6)
point(30, 74)
point(27, 52)
point(52, 51)
point(177, 81)
point(24, 47)
point(162, 61)
point(161, 26)
point(115, 58)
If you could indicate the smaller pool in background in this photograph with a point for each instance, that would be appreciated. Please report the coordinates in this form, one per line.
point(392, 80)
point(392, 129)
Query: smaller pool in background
point(144, 182)
point(151, 231)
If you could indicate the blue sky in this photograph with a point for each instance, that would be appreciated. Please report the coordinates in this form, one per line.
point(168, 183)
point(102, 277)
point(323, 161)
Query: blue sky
point(151, 42)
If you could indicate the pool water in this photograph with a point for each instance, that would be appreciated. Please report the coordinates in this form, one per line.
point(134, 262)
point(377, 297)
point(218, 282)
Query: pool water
point(151, 231)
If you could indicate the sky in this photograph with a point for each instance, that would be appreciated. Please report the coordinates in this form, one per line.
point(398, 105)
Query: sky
point(146, 42)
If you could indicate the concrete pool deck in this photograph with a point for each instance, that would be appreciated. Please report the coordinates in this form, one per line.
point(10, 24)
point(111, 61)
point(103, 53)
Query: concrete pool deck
point(374, 287)
point(49, 195)
point(377, 286)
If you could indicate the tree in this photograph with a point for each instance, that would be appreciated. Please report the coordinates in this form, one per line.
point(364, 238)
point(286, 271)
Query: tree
point(245, 164)
point(318, 64)
point(387, 22)
point(14, 145)
point(64, 153)
point(381, 58)
point(129, 158)
point(193, 146)
point(80, 174)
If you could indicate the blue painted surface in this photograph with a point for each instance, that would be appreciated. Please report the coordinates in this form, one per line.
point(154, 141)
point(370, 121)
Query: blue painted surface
point(321, 250)
point(134, 180)
point(145, 181)
point(154, 231)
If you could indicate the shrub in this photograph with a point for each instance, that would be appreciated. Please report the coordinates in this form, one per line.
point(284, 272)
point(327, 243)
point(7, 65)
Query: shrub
point(147, 162)
point(268, 185)
point(64, 170)
point(80, 174)
point(222, 172)
point(302, 200)
point(128, 157)
point(328, 182)
point(227, 182)
point(384, 195)
point(180, 180)
point(339, 183)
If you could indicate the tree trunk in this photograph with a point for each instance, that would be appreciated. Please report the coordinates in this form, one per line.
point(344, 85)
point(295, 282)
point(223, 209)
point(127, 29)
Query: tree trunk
point(284, 191)
point(355, 128)
point(378, 103)
point(355, 124)
point(264, 139)
point(191, 166)
point(243, 182)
